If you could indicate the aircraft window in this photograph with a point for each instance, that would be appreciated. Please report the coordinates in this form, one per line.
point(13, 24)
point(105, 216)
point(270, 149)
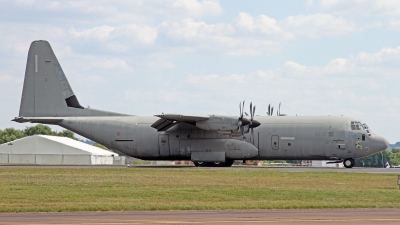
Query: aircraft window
point(353, 125)
point(358, 125)
point(366, 128)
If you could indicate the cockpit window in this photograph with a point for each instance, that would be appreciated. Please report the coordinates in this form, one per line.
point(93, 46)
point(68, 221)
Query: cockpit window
point(355, 125)
point(366, 128)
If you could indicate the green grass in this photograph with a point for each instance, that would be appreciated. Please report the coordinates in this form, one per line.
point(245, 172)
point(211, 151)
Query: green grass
point(93, 189)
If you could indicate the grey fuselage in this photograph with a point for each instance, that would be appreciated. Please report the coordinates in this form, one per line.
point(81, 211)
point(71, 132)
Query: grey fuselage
point(278, 137)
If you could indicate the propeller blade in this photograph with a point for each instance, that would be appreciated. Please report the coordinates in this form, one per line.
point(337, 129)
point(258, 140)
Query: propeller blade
point(279, 109)
point(254, 112)
point(269, 109)
point(243, 109)
point(246, 114)
point(251, 110)
point(240, 109)
point(272, 110)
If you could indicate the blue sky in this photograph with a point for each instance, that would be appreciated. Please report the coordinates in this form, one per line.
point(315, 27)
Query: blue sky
point(332, 57)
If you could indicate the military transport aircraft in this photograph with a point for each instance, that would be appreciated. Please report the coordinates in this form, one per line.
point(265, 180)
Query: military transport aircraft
point(207, 140)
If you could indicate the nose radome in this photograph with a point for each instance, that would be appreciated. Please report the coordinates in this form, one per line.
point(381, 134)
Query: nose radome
point(378, 144)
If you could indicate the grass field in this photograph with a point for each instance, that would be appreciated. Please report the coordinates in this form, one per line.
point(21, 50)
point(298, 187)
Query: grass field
point(93, 189)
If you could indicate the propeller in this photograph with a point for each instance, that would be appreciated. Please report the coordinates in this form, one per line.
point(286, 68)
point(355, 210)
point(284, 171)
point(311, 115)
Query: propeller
point(279, 113)
point(242, 121)
point(253, 123)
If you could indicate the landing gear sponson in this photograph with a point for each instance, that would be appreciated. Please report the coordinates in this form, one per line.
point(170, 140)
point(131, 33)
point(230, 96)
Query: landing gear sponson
point(227, 163)
point(349, 163)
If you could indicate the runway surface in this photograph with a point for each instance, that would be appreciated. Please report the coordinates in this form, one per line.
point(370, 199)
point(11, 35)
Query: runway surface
point(298, 217)
point(285, 169)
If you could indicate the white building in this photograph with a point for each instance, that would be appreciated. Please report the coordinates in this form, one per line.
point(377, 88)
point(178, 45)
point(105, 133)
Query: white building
point(44, 149)
point(323, 163)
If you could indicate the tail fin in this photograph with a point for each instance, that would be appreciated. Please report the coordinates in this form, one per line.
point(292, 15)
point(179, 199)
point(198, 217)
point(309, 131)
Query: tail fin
point(46, 91)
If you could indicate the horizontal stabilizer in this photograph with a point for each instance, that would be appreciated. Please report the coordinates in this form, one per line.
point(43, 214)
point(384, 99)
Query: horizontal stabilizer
point(45, 120)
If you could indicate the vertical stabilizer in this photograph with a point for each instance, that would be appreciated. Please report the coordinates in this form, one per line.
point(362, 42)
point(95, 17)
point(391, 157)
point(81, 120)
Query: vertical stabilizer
point(46, 91)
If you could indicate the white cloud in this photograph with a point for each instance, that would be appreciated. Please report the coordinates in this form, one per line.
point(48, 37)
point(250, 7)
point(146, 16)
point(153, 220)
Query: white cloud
point(196, 8)
point(102, 32)
point(112, 64)
point(318, 25)
point(188, 29)
point(120, 10)
point(142, 34)
point(216, 79)
point(178, 97)
point(9, 78)
point(261, 24)
point(244, 36)
point(359, 7)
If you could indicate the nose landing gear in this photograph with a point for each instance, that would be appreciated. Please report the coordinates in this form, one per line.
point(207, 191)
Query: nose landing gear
point(349, 163)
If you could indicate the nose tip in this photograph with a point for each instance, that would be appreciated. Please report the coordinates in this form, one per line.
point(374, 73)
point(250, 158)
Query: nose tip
point(378, 143)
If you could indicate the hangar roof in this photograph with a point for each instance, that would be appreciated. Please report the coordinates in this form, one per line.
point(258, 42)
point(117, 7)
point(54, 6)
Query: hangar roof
point(44, 144)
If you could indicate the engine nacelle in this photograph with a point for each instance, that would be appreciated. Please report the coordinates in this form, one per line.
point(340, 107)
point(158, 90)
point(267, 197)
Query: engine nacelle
point(219, 123)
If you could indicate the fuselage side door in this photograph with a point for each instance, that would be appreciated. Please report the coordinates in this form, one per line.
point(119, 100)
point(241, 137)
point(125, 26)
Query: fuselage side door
point(163, 144)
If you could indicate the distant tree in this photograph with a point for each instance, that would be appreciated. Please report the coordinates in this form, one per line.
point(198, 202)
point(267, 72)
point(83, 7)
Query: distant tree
point(395, 150)
point(39, 129)
point(10, 134)
point(374, 160)
point(46, 130)
point(395, 158)
point(100, 146)
point(67, 133)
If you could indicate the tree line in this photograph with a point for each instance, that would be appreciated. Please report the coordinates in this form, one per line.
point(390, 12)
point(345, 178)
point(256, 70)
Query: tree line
point(379, 159)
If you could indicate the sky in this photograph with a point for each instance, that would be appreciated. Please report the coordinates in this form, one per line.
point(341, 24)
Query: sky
point(332, 57)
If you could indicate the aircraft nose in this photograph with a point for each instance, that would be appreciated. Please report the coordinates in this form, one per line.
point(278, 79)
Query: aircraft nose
point(378, 143)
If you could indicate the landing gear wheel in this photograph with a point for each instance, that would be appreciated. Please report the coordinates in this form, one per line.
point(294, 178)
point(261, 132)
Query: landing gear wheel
point(199, 164)
point(349, 163)
point(228, 163)
point(203, 164)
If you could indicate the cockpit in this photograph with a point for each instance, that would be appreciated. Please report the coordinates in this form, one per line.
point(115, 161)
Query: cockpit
point(358, 126)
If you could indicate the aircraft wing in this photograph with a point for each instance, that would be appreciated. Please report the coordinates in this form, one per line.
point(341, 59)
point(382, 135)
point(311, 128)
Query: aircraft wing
point(167, 121)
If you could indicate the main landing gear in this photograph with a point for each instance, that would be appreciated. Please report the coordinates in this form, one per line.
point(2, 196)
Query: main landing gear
point(349, 163)
point(227, 163)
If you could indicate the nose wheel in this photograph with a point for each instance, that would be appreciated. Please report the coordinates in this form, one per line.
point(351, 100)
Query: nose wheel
point(349, 163)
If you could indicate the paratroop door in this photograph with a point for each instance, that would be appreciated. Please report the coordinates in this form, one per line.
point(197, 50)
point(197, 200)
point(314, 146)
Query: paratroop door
point(163, 144)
